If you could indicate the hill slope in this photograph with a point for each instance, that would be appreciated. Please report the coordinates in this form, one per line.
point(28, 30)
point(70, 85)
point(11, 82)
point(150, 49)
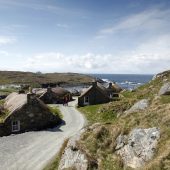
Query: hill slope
point(16, 77)
point(100, 141)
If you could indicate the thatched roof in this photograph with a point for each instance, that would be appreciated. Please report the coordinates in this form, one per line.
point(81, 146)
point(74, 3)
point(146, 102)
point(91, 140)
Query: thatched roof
point(114, 87)
point(15, 101)
point(99, 87)
point(60, 91)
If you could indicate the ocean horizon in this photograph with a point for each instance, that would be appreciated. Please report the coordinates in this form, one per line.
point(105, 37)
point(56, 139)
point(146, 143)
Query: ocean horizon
point(126, 81)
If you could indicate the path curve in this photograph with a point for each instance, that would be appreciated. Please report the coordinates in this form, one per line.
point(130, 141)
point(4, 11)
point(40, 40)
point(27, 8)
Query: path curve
point(33, 150)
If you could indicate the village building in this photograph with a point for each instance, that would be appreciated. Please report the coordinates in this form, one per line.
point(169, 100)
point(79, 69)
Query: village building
point(95, 94)
point(54, 95)
point(25, 112)
point(112, 89)
point(98, 94)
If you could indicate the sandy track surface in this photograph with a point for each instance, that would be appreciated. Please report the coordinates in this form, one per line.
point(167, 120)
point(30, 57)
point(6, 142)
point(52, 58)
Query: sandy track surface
point(33, 150)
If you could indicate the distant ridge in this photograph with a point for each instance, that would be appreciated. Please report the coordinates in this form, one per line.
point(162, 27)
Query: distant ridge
point(36, 79)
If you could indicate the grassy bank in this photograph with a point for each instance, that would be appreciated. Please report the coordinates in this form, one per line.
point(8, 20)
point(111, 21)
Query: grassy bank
point(54, 163)
point(98, 142)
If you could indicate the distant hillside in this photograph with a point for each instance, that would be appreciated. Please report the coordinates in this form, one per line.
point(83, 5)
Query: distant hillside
point(16, 77)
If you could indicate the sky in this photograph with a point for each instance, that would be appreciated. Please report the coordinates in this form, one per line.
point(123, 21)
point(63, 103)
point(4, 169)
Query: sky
point(85, 36)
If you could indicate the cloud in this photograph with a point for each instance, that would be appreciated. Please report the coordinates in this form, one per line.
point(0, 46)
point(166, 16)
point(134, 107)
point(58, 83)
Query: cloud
point(148, 58)
point(148, 20)
point(38, 6)
point(4, 53)
point(7, 40)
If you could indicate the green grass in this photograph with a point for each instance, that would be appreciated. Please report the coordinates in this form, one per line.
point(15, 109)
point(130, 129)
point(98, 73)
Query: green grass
point(3, 113)
point(7, 91)
point(2, 102)
point(55, 110)
point(94, 113)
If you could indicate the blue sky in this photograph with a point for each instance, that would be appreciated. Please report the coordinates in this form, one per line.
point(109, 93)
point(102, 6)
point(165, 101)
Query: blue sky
point(87, 36)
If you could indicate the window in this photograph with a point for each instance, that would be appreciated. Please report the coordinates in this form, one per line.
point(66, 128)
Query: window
point(15, 126)
point(86, 100)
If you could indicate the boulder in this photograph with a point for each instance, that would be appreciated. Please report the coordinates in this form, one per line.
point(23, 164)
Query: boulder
point(73, 157)
point(165, 89)
point(140, 105)
point(139, 147)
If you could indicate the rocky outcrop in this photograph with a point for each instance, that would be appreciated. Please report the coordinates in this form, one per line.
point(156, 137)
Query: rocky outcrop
point(140, 105)
point(161, 75)
point(139, 147)
point(165, 89)
point(73, 157)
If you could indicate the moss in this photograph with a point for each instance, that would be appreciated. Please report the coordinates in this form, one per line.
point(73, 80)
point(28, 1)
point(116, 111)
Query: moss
point(3, 115)
point(3, 112)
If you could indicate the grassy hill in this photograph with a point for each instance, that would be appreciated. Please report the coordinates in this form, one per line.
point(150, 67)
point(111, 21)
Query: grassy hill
point(35, 79)
point(99, 144)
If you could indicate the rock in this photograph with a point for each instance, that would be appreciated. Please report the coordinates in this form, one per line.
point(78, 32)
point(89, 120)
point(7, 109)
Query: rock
point(140, 147)
point(140, 105)
point(165, 89)
point(161, 75)
point(120, 141)
point(73, 157)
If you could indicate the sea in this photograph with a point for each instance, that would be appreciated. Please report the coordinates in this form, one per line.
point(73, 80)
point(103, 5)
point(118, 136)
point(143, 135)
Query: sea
point(126, 81)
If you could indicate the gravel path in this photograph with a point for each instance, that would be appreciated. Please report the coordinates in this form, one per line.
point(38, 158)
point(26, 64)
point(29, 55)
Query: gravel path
point(33, 150)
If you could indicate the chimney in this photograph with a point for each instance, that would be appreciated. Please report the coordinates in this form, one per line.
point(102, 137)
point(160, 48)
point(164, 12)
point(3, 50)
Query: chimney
point(30, 96)
point(110, 85)
point(48, 89)
point(94, 84)
point(30, 89)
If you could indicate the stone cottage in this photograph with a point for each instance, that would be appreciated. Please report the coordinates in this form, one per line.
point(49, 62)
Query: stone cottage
point(54, 95)
point(26, 112)
point(95, 94)
point(112, 89)
point(98, 94)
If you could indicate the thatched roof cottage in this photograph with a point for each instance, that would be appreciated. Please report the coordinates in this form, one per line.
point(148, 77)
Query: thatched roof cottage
point(26, 112)
point(98, 94)
point(54, 95)
point(95, 94)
